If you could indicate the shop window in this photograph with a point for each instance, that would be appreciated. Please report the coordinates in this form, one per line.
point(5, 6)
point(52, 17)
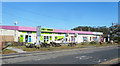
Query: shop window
point(84, 39)
point(55, 37)
point(95, 38)
point(90, 38)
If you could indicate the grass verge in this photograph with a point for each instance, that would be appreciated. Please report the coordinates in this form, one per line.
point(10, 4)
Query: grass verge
point(7, 51)
point(62, 47)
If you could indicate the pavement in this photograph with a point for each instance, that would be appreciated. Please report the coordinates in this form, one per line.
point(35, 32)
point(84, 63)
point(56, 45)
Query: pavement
point(90, 55)
point(16, 49)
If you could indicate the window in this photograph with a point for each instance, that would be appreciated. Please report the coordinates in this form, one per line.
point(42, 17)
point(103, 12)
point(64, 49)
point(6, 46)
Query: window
point(95, 38)
point(55, 37)
point(47, 38)
point(85, 39)
point(90, 38)
point(29, 32)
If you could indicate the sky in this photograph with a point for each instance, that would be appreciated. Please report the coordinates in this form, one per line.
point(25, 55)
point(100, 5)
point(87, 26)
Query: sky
point(60, 15)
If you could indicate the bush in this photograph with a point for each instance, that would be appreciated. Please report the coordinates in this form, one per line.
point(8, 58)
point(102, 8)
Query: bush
point(83, 43)
point(93, 42)
point(108, 42)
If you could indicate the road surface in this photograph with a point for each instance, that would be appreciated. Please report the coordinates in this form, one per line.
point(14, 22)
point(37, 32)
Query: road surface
point(91, 55)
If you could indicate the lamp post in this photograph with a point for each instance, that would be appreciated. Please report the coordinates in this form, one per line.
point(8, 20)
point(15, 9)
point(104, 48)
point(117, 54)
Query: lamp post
point(15, 22)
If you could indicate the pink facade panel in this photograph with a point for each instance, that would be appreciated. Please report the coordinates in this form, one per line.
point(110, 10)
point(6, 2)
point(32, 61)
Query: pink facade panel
point(71, 31)
point(22, 28)
point(10, 27)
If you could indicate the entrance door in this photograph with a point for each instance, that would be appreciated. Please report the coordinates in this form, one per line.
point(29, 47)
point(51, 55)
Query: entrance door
point(26, 38)
point(72, 39)
point(29, 39)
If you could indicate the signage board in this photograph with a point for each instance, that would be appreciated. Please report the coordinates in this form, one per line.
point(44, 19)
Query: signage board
point(38, 30)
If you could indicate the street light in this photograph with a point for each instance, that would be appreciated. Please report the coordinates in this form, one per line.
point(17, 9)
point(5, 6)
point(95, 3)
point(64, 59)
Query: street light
point(15, 22)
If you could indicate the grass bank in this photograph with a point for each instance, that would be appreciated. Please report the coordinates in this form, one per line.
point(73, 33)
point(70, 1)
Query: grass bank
point(81, 45)
point(7, 51)
point(63, 47)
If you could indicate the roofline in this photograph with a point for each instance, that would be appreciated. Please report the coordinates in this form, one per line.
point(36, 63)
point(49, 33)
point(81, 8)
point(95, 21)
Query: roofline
point(23, 28)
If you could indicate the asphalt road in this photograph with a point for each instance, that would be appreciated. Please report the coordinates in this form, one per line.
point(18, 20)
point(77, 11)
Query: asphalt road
point(91, 55)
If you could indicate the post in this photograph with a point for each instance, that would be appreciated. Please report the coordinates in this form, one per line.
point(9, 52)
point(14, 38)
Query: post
point(108, 37)
point(65, 39)
point(15, 27)
point(1, 45)
point(38, 34)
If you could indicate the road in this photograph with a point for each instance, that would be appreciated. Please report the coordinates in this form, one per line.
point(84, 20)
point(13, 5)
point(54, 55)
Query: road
point(91, 55)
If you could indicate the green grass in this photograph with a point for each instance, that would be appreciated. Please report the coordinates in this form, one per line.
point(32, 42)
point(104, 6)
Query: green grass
point(7, 51)
point(61, 47)
point(46, 49)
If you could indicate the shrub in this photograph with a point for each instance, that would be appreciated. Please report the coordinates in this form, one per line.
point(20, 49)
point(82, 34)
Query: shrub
point(108, 42)
point(93, 42)
point(83, 43)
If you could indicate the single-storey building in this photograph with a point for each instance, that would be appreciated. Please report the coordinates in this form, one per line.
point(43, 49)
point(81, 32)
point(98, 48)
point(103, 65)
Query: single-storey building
point(28, 34)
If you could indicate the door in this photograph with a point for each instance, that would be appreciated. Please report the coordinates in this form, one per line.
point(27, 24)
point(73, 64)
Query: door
point(29, 39)
point(26, 38)
point(85, 39)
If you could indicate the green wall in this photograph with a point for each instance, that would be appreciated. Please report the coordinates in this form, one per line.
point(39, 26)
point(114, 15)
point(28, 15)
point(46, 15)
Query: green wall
point(41, 38)
point(58, 37)
point(21, 38)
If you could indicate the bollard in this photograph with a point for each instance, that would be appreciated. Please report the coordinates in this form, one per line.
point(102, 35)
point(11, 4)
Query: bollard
point(1, 45)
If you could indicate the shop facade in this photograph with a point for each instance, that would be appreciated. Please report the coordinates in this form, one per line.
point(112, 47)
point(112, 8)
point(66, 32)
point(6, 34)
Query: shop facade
point(28, 34)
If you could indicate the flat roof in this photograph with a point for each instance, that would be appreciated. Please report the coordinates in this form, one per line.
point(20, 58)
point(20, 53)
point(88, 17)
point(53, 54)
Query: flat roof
point(23, 28)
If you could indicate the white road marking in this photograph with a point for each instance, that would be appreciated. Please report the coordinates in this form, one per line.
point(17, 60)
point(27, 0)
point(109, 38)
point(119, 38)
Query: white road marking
point(84, 57)
point(80, 58)
point(105, 59)
point(99, 60)
point(38, 59)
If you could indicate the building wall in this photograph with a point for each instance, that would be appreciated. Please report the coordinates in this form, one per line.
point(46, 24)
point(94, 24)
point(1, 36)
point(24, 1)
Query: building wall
point(8, 35)
point(33, 36)
point(7, 32)
point(78, 38)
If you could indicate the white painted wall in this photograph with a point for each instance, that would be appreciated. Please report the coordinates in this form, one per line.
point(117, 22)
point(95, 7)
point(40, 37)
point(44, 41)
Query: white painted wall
point(33, 36)
point(7, 32)
point(78, 39)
